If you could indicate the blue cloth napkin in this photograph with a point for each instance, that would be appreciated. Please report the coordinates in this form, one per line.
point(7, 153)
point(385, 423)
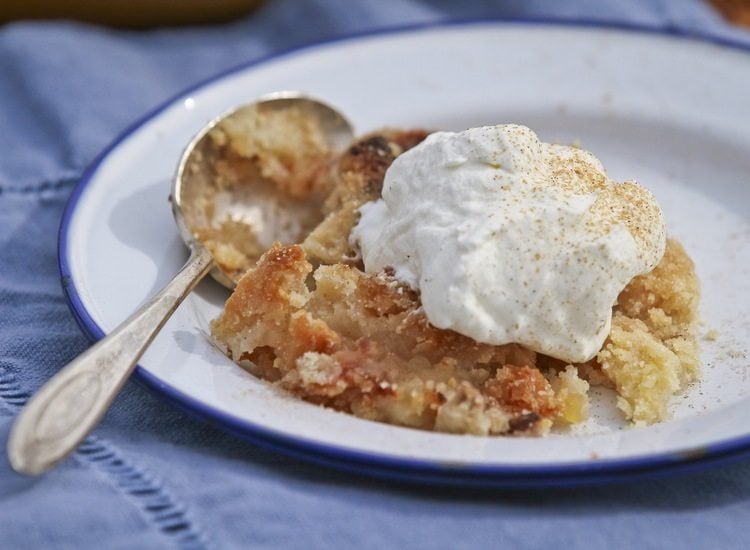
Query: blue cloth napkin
point(152, 477)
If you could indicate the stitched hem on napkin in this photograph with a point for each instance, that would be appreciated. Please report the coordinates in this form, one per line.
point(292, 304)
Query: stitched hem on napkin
point(55, 185)
point(159, 507)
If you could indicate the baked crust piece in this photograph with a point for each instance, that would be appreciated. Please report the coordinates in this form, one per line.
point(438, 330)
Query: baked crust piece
point(361, 344)
point(652, 349)
point(358, 179)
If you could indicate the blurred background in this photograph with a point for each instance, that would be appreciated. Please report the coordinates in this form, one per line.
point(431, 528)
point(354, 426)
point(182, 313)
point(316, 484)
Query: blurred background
point(736, 11)
point(129, 13)
point(151, 13)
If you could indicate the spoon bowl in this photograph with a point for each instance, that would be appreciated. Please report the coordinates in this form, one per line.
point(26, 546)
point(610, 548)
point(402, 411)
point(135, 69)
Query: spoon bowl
point(204, 198)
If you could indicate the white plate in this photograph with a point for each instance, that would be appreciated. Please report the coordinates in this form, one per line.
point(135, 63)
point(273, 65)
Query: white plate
point(668, 111)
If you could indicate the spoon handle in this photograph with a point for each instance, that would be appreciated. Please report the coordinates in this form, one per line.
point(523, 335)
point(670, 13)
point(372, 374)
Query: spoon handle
point(68, 406)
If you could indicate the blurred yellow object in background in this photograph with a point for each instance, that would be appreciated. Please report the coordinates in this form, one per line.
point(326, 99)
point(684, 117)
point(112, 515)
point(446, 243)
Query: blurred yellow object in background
point(736, 11)
point(128, 13)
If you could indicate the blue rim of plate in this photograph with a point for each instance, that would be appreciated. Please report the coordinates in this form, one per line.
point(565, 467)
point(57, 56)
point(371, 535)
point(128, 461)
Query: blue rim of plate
point(416, 471)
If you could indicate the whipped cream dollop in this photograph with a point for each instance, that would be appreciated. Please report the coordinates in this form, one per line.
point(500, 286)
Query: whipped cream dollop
point(509, 239)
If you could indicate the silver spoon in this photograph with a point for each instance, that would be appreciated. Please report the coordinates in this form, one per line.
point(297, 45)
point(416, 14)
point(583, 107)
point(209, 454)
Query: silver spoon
point(67, 407)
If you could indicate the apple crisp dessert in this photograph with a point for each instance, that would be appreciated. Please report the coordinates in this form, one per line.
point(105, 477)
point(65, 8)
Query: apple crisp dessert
point(308, 318)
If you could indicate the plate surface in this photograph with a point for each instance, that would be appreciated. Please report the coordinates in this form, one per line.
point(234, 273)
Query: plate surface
point(668, 111)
